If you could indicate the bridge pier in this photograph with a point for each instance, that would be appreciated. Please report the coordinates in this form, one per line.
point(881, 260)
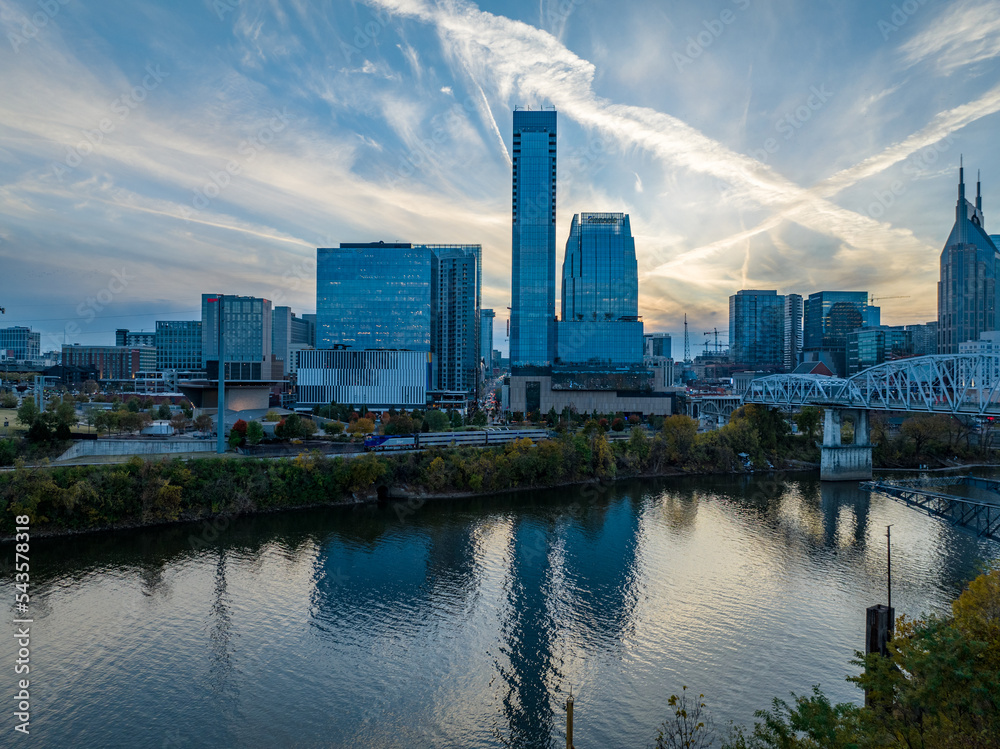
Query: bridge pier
point(851, 462)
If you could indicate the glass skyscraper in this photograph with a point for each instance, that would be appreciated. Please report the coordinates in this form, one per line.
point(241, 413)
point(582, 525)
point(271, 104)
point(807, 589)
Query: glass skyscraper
point(968, 292)
point(600, 293)
point(757, 328)
point(533, 244)
point(178, 345)
point(403, 297)
point(247, 327)
point(831, 315)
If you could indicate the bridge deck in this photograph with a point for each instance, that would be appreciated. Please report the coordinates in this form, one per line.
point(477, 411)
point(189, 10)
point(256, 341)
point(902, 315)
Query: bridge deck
point(980, 518)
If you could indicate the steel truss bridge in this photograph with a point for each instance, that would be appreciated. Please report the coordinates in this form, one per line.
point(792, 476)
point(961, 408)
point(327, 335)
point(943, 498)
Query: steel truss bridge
point(979, 517)
point(959, 384)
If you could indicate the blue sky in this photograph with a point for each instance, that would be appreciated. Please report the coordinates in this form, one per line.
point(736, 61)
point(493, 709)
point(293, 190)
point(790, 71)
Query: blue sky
point(152, 151)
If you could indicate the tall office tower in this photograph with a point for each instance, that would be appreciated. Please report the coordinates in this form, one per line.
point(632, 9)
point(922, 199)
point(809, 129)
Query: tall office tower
point(829, 317)
point(373, 296)
point(486, 318)
point(533, 245)
point(968, 292)
point(178, 345)
point(455, 304)
point(247, 329)
point(757, 328)
point(793, 331)
point(600, 294)
point(924, 338)
point(20, 343)
point(424, 298)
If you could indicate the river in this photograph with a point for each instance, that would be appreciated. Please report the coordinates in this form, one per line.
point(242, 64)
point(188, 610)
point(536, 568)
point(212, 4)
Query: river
point(464, 623)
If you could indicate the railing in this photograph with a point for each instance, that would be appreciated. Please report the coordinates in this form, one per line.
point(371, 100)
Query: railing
point(982, 519)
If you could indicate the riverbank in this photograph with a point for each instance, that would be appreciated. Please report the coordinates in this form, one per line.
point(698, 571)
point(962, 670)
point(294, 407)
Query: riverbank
point(74, 499)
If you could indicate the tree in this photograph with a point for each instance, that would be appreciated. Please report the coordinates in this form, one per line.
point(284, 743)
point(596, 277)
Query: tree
point(618, 424)
point(689, 728)
point(240, 427)
point(436, 420)
point(255, 432)
point(456, 419)
point(179, 422)
point(333, 428)
point(27, 412)
point(89, 387)
point(680, 432)
point(293, 427)
point(204, 423)
point(133, 405)
point(163, 412)
point(924, 430)
point(361, 426)
point(479, 419)
point(8, 400)
point(807, 420)
point(39, 432)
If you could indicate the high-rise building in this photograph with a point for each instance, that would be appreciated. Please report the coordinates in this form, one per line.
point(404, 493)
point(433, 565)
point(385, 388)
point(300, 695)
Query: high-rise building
point(792, 354)
point(20, 343)
point(831, 315)
point(374, 296)
point(657, 344)
point(178, 345)
point(600, 294)
point(757, 329)
point(869, 347)
point(533, 245)
point(486, 318)
point(287, 330)
point(968, 292)
point(125, 337)
point(247, 328)
point(404, 297)
point(455, 305)
point(924, 338)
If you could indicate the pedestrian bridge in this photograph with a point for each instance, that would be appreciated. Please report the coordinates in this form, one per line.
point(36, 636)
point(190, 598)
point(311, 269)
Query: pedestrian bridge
point(956, 385)
point(960, 384)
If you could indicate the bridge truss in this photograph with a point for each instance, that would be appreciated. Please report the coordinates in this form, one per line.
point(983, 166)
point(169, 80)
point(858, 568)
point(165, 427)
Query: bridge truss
point(980, 518)
point(962, 384)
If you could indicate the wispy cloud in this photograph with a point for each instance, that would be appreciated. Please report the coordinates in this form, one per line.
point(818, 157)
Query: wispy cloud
point(964, 33)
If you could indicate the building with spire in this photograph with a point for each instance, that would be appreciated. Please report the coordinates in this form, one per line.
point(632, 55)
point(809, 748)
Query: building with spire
point(968, 292)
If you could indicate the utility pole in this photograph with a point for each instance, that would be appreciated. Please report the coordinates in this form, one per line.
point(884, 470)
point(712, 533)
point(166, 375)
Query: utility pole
point(569, 720)
point(221, 421)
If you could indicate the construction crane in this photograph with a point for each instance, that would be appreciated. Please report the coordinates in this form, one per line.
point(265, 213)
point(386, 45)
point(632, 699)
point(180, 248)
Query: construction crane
point(874, 299)
point(715, 332)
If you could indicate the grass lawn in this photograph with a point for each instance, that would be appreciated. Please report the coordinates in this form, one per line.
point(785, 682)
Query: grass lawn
point(10, 416)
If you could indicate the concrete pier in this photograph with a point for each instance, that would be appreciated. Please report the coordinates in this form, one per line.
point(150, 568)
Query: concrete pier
point(852, 462)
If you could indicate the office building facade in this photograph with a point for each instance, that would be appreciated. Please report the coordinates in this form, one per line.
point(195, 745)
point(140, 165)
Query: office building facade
point(374, 296)
point(486, 318)
point(792, 353)
point(757, 329)
point(924, 338)
point(111, 363)
point(178, 345)
point(533, 243)
point(247, 328)
point(968, 292)
point(869, 347)
point(404, 297)
point(376, 379)
point(20, 343)
point(125, 337)
point(600, 323)
point(658, 345)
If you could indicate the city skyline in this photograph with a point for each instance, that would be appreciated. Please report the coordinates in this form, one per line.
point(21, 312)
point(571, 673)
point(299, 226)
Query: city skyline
point(206, 162)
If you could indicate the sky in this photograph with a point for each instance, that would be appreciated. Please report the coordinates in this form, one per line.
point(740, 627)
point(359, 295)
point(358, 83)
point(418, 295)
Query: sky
point(153, 151)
